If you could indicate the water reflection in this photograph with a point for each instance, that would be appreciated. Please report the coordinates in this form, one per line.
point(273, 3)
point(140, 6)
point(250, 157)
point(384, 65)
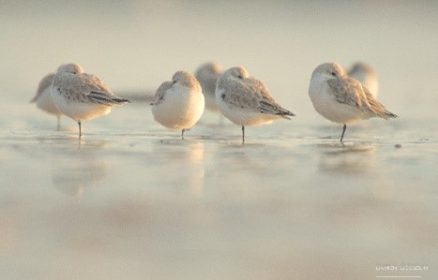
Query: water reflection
point(249, 156)
point(75, 170)
point(184, 161)
point(65, 142)
point(351, 158)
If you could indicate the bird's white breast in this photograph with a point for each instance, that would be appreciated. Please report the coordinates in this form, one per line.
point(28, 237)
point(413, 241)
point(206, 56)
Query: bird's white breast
point(325, 103)
point(78, 110)
point(45, 102)
point(180, 109)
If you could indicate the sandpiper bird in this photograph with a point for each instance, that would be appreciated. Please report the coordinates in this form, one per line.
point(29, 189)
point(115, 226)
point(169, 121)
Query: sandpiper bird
point(365, 74)
point(245, 100)
point(82, 96)
point(342, 99)
point(207, 75)
point(43, 98)
point(179, 104)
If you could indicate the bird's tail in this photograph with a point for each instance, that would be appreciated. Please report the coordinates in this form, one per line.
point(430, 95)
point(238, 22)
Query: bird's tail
point(390, 115)
point(287, 113)
point(105, 99)
point(378, 110)
point(119, 100)
point(274, 109)
point(284, 113)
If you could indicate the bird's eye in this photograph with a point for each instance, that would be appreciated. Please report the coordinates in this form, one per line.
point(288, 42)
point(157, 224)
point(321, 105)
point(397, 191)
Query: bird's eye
point(240, 77)
point(333, 74)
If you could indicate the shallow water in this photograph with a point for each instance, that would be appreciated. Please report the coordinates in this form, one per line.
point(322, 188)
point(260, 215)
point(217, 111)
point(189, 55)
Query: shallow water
point(135, 200)
point(130, 200)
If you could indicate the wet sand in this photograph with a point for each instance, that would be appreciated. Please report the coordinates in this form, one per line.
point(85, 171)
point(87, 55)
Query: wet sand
point(132, 199)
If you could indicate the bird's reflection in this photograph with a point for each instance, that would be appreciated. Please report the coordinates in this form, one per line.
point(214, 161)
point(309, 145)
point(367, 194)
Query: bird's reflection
point(56, 141)
point(80, 167)
point(182, 164)
point(357, 159)
point(351, 158)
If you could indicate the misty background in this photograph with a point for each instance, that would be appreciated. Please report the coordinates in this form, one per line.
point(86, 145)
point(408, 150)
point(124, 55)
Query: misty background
point(136, 45)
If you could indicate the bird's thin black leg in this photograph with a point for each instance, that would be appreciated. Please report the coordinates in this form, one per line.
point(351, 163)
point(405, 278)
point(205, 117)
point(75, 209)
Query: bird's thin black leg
point(182, 134)
point(343, 132)
point(80, 129)
point(243, 134)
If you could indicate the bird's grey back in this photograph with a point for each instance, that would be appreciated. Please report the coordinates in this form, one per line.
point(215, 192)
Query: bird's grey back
point(351, 92)
point(251, 94)
point(80, 84)
point(85, 88)
point(161, 92)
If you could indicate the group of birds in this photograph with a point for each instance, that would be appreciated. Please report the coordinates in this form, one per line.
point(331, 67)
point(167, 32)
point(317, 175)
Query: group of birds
point(338, 96)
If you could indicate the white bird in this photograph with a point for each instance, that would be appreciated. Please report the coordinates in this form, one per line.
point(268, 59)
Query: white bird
point(207, 75)
point(342, 99)
point(245, 100)
point(179, 104)
point(82, 96)
point(43, 98)
point(365, 74)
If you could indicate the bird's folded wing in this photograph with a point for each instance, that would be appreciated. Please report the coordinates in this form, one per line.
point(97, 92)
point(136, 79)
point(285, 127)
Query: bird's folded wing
point(348, 91)
point(105, 99)
point(251, 95)
point(87, 88)
point(161, 93)
point(97, 82)
point(376, 107)
point(238, 94)
point(265, 102)
point(351, 92)
point(268, 107)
